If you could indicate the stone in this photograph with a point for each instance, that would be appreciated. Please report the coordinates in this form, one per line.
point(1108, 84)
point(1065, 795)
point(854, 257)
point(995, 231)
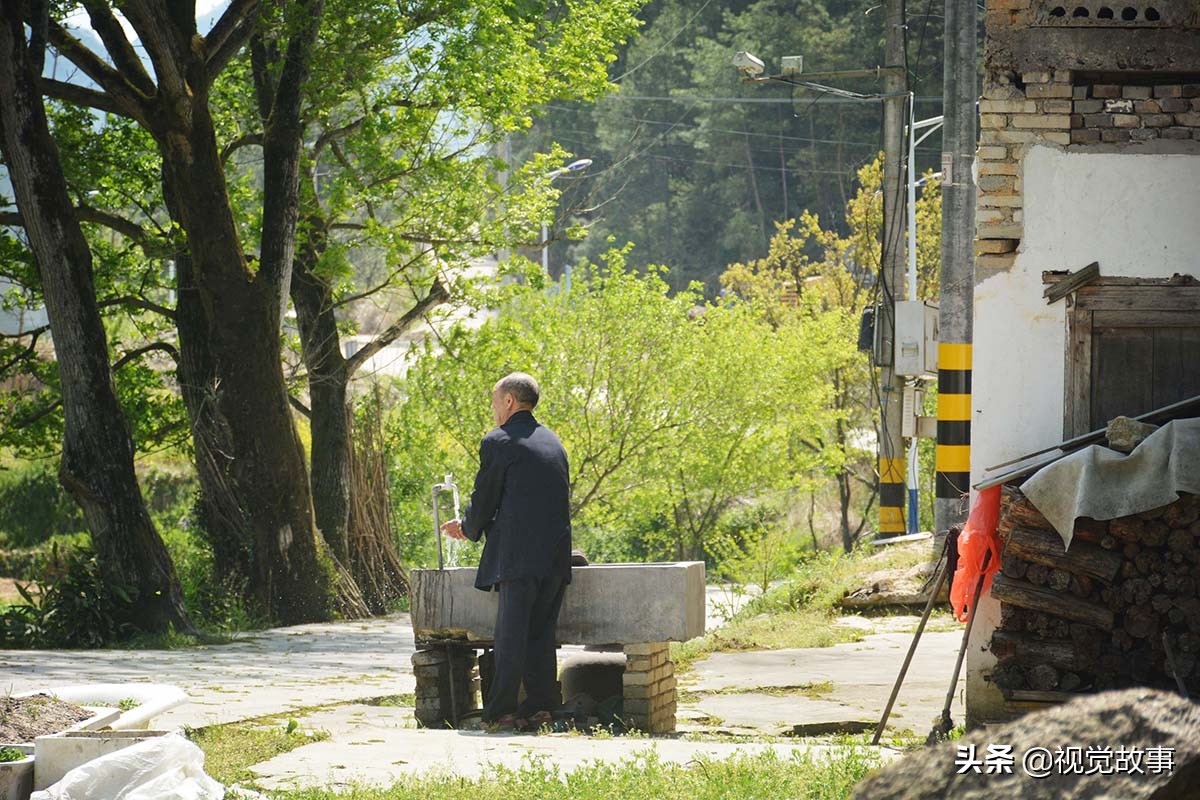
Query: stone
point(999, 231)
point(1147, 107)
point(1001, 200)
point(604, 604)
point(1157, 120)
point(1136, 92)
point(1097, 120)
point(1191, 119)
point(996, 183)
point(1126, 121)
point(1007, 107)
point(1106, 90)
point(1118, 106)
point(1134, 718)
point(1088, 106)
point(1174, 105)
point(1170, 90)
point(1125, 433)
point(1048, 90)
point(1000, 168)
point(996, 262)
point(1036, 121)
point(1177, 133)
point(1114, 135)
point(992, 120)
point(1036, 77)
point(423, 658)
point(1143, 134)
point(1081, 92)
point(983, 246)
point(645, 648)
point(1092, 136)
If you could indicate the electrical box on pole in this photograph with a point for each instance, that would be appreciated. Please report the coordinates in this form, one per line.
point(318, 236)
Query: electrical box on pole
point(916, 339)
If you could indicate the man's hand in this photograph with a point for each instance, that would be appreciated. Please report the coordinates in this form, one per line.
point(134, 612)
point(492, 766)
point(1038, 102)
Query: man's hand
point(454, 530)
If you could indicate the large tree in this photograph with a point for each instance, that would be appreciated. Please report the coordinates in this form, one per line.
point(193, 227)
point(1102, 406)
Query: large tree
point(97, 459)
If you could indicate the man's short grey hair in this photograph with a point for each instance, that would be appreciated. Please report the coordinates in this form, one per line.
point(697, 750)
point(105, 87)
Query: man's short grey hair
point(522, 386)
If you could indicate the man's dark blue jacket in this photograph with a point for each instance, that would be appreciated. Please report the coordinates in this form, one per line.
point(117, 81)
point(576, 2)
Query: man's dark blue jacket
point(522, 501)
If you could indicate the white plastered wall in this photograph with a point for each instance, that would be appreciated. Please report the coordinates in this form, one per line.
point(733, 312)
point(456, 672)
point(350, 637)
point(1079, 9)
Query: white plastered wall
point(1139, 216)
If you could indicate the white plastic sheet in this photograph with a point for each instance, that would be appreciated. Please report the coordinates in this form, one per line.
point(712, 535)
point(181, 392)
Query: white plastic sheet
point(163, 768)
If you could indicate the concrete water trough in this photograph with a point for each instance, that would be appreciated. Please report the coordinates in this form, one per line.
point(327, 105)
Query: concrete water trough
point(637, 608)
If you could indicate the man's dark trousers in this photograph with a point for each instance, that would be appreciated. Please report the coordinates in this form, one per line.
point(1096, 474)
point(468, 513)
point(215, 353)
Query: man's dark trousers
point(525, 647)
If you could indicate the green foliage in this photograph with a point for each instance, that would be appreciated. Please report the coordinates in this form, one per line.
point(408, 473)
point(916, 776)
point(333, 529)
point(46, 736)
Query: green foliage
point(673, 411)
point(698, 184)
point(34, 506)
point(10, 754)
point(79, 608)
point(750, 776)
point(230, 750)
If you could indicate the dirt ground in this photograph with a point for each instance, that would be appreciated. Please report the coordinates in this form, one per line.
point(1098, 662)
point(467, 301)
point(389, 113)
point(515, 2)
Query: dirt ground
point(24, 718)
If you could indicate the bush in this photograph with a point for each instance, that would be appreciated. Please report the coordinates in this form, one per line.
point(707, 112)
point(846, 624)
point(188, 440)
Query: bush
point(34, 506)
point(79, 608)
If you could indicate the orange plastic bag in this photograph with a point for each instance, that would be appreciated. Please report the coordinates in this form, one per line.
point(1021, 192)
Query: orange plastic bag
point(978, 552)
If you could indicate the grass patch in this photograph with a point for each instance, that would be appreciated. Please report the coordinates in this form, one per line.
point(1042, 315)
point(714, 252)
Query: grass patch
point(230, 750)
point(758, 776)
point(801, 611)
point(813, 691)
point(390, 701)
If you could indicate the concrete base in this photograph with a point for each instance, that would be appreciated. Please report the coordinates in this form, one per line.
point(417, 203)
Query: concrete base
point(59, 754)
point(605, 604)
point(16, 777)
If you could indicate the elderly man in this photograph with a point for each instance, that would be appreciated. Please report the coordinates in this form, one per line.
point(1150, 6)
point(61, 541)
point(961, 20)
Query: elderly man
point(521, 501)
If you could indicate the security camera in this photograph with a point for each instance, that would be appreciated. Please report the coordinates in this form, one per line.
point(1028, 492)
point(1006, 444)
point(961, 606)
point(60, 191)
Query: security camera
point(750, 65)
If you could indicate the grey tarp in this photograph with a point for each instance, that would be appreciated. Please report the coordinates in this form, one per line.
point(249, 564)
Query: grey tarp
point(1103, 484)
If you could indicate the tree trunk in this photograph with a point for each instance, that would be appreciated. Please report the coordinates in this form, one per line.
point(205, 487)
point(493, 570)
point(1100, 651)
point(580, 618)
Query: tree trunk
point(225, 525)
point(328, 380)
point(97, 462)
point(292, 578)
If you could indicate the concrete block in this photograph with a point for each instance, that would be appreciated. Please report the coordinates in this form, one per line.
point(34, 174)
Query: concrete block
point(57, 755)
point(16, 777)
point(605, 604)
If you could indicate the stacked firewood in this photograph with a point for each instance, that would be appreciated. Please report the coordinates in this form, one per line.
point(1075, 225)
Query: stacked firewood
point(1119, 608)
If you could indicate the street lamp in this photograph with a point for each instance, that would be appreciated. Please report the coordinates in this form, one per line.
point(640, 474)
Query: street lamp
point(574, 166)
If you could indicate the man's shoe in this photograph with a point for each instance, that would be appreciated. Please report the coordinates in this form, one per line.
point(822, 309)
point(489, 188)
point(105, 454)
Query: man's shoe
point(536, 722)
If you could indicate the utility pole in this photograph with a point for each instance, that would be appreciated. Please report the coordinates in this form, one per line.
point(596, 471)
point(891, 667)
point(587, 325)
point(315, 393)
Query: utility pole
point(956, 305)
point(891, 273)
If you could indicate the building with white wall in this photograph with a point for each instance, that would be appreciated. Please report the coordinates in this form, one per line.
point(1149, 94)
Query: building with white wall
point(1089, 152)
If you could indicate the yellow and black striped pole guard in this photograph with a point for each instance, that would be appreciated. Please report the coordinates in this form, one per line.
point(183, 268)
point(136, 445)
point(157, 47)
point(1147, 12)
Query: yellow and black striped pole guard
point(953, 461)
point(891, 496)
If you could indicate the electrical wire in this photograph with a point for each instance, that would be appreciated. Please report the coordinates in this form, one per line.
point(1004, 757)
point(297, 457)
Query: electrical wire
point(663, 46)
